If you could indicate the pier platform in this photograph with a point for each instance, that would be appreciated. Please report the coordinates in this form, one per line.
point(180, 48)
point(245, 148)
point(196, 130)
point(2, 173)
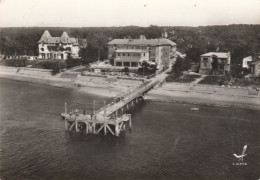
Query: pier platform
point(111, 118)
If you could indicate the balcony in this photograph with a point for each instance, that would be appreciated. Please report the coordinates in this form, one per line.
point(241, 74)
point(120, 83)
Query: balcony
point(132, 50)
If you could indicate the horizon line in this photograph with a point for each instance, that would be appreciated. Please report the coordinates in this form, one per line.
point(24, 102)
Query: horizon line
point(125, 26)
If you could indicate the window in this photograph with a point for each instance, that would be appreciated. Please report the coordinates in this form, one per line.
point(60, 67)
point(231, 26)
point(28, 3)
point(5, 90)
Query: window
point(221, 67)
point(123, 54)
point(144, 54)
point(118, 63)
point(42, 49)
point(128, 54)
point(222, 61)
point(205, 64)
point(118, 54)
point(133, 64)
point(126, 64)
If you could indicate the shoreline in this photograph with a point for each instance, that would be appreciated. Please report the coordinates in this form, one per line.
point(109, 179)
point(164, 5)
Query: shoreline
point(192, 96)
point(203, 104)
point(59, 83)
point(168, 93)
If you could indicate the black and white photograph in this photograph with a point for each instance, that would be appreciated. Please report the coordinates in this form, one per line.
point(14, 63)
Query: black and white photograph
point(129, 90)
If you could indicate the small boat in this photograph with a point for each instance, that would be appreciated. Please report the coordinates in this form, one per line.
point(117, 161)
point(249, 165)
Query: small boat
point(194, 109)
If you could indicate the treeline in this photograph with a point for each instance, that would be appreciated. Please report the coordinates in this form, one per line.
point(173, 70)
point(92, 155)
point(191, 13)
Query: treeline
point(240, 40)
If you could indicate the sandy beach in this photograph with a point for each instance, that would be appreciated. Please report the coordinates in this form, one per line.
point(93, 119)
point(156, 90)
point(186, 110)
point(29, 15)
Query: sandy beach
point(168, 92)
point(92, 85)
point(205, 95)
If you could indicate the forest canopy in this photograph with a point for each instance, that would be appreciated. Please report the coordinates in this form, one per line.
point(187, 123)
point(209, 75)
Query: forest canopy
point(240, 40)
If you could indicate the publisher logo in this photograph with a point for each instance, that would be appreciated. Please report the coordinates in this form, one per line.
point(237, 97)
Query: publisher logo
point(240, 158)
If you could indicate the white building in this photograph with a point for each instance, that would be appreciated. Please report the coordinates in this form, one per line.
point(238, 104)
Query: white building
point(131, 52)
point(246, 62)
point(57, 47)
point(215, 63)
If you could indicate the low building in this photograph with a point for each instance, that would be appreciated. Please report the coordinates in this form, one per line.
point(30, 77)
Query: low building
point(58, 47)
point(132, 52)
point(30, 58)
point(217, 63)
point(246, 62)
point(253, 63)
point(100, 65)
point(16, 57)
point(1, 55)
point(255, 68)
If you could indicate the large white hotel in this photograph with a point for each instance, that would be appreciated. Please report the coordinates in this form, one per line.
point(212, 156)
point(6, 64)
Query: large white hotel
point(131, 52)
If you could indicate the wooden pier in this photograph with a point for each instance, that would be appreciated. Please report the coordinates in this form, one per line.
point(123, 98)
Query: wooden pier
point(110, 118)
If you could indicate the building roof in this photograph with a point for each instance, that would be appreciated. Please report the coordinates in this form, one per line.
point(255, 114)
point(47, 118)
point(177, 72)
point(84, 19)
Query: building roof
point(218, 54)
point(248, 58)
point(255, 62)
point(47, 38)
point(151, 42)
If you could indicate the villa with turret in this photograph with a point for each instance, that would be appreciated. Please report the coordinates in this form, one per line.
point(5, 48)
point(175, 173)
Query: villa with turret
point(58, 47)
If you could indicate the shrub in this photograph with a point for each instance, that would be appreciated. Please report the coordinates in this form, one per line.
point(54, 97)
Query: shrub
point(73, 62)
point(15, 62)
point(215, 80)
point(57, 66)
point(126, 70)
point(181, 65)
point(54, 65)
point(173, 76)
point(146, 69)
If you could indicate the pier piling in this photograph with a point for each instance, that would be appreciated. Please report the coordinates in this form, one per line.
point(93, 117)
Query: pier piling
point(109, 116)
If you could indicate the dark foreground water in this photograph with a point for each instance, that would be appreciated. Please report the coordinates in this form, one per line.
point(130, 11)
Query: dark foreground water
point(168, 141)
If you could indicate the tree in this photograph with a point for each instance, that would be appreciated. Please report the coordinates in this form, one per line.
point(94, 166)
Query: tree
point(97, 41)
point(126, 70)
point(214, 63)
point(146, 68)
point(72, 62)
point(88, 54)
point(180, 65)
point(153, 32)
point(193, 54)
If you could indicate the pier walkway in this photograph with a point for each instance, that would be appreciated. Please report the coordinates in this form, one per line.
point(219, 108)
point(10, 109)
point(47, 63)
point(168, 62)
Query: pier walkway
point(111, 117)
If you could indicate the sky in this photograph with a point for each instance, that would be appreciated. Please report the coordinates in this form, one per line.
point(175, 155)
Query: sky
point(88, 13)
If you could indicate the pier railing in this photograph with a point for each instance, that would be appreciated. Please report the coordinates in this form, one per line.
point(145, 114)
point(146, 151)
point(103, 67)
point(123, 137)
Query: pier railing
point(111, 114)
point(121, 100)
